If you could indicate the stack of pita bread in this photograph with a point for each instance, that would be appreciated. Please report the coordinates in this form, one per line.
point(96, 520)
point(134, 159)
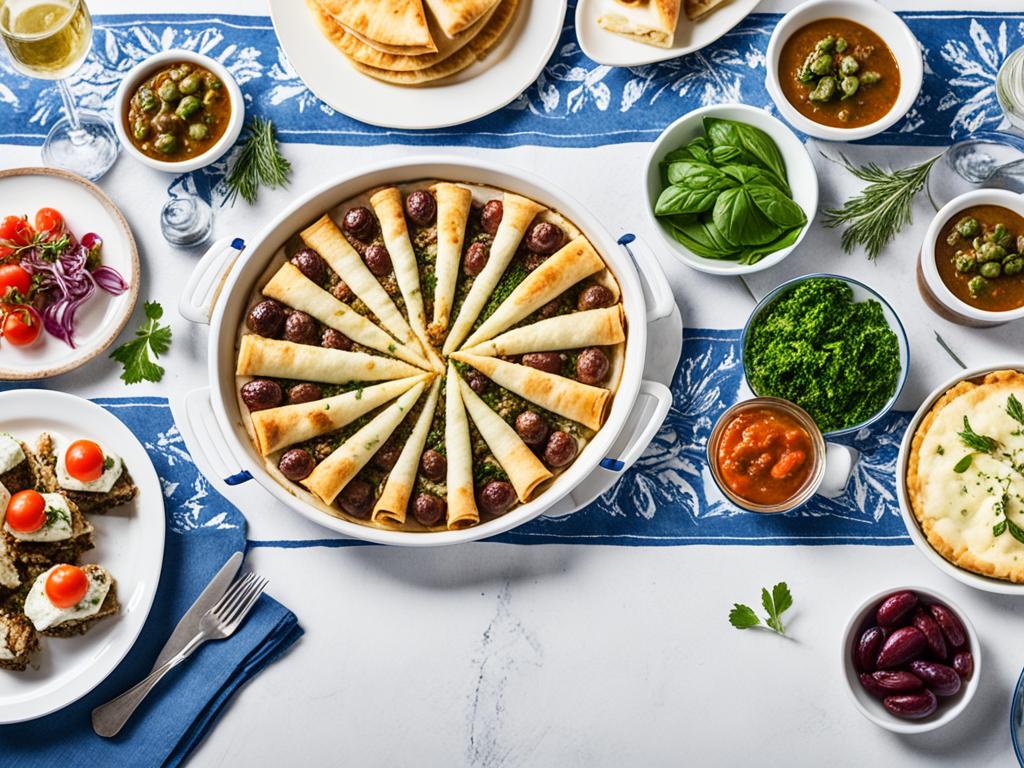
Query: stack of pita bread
point(652, 21)
point(405, 43)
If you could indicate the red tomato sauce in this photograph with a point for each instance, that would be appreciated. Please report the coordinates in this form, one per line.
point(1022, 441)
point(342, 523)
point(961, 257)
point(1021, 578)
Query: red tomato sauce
point(764, 456)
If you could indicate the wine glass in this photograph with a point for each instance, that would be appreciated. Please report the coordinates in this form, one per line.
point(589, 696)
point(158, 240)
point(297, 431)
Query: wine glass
point(49, 39)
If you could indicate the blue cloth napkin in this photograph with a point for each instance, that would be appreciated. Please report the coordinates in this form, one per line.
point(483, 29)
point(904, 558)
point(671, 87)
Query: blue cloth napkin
point(203, 530)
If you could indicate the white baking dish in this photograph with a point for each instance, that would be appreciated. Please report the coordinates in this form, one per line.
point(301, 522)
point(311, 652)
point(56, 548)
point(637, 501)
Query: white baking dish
point(227, 275)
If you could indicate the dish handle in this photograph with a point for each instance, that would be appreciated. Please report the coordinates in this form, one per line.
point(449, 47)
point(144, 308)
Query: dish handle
point(202, 425)
point(657, 292)
point(646, 418)
point(204, 284)
point(839, 462)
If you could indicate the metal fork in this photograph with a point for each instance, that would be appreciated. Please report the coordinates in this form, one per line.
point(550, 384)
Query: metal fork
point(218, 623)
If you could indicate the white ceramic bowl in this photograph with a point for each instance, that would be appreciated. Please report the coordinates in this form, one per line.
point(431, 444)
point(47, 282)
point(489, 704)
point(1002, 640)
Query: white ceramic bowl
point(934, 291)
point(869, 706)
point(880, 20)
point(232, 302)
point(137, 74)
point(971, 579)
point(803, 180)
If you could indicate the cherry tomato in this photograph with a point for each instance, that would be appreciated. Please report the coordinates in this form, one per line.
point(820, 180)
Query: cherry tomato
point(26, 511)
point(49, 220)
point(5, 252)
point(22, 325)
point(16, 230)
point(84, 460)
point(66, 586)
point(13, 276)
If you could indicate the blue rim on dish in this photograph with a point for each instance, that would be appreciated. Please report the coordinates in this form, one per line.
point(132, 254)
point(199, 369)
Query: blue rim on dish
point(1015, 716)
point(899, 330)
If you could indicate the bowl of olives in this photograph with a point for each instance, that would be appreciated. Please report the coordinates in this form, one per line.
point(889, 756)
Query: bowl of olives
point(911, 659)
point(178, 111)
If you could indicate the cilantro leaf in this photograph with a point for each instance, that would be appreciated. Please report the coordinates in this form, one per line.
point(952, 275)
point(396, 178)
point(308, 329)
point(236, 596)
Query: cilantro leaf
point(151, 340)
point(782, 597)
point(1015, 409)
point(743, 616)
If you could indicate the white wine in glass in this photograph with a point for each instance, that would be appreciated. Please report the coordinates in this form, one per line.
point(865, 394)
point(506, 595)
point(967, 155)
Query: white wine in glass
point(49, 39)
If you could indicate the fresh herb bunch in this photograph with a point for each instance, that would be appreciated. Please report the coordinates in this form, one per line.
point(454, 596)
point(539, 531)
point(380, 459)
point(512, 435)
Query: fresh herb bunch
point(872, 217)
point(774, 603)
point(259, 164)
point(815, 346)
point(726, 194)
point(151, 341)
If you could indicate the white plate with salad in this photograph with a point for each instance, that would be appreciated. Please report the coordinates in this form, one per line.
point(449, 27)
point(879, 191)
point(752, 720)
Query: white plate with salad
point(69, 272)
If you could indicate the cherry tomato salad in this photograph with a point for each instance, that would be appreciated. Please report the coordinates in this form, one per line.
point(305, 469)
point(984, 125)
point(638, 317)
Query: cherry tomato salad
point(46, 275)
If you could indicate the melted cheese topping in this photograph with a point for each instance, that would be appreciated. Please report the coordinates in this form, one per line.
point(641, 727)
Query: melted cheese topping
point(967, 509)
point(45, 614)
point(113, 467)
point(11, 454)
point(58, 525)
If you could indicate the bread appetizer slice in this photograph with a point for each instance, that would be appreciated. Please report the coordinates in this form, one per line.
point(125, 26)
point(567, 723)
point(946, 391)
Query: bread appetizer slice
point(17, 464)
point(87, 473)
point(40, 529)
point(18, 641)
point(10, 578)
point(68, 600)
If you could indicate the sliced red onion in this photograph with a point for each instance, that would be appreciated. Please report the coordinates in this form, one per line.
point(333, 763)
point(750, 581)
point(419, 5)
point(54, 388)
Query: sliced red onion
point(110, 280)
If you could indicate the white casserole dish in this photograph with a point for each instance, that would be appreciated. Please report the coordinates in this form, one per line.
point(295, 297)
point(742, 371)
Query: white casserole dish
point(226, 439)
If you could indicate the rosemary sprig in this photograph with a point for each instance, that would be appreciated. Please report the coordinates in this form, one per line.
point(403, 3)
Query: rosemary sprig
point(259, 164)
point(872, 217)
point(977, 442)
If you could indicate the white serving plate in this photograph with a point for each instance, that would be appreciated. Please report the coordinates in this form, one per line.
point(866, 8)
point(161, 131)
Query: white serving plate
point(129, 543)
point(617, 51)
point(486, 86)
point(971, 579)
point(86, 209)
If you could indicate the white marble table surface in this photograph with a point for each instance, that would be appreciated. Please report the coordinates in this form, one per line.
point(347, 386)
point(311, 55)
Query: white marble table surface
point(502, 655)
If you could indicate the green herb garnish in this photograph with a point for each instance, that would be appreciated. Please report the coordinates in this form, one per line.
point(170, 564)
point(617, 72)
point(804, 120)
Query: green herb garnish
point(977, 442)
point(964, 464)
point(1015, 409)
point(872, 217)
point(774, 603)
point(258, 164)
point(151, 340)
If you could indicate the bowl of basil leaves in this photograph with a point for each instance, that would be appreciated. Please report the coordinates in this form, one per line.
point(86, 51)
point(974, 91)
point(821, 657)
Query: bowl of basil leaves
point(731, 189)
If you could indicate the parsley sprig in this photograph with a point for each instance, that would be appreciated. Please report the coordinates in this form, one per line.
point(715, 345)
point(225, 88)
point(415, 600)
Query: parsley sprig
point(151, 341)
point(774, 603)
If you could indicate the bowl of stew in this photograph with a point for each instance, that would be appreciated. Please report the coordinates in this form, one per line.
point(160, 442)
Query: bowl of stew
point(178, 111)
point(843, 70)
point(971, 266)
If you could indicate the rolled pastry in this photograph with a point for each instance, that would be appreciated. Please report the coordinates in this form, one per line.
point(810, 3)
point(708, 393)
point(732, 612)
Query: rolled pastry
point(462, 510)
point(258, 356)
point(589, 328)
point(453, 205)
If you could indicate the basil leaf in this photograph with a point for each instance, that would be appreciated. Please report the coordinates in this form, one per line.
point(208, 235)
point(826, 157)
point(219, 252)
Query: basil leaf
point(726, 154)
point(682, 153)
point(760, 145)
point(722, 133)
point(754, 254)
point(696, 174)
point(779, 208)
point(698, 149)
point(752, 174)
point(675, 200)
point(704, 239)
point(740, 221)
point(964, 463)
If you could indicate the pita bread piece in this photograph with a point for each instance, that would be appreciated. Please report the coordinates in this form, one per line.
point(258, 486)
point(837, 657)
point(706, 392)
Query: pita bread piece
point(648, 21)
point(392, 26)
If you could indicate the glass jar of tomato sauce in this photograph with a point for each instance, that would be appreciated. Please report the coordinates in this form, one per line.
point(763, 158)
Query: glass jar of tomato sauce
point(767, 455)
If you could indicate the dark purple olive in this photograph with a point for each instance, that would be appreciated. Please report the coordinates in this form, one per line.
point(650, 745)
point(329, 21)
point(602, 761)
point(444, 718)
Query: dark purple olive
point(477, 382)
point(912, 706)
point(360, 223)
point(428, 509)
point(310, 264)
point(386, 458)
point(903, 645)
point(882, 684)
point(378, 260)
point(342, 292)
point(930, 629)
point(865, 655)
point(356, 498)
point(595, 297)
point(532, 428)
point(963, 663)
point(300, 328)
point(951, 626)
point(421, 207)
point(560, 450)
point(549, 310)
point(497, 497)
point(434, 465)
point(332, 339)
point(549, 362)
point(476, 259)
point(592, 366)
point(260, 394)
point(544, 237)
point(296, 464)
point(266, 319)
point(304, 393)
point(895, 607)
point(490, 216)
point(942, 680)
